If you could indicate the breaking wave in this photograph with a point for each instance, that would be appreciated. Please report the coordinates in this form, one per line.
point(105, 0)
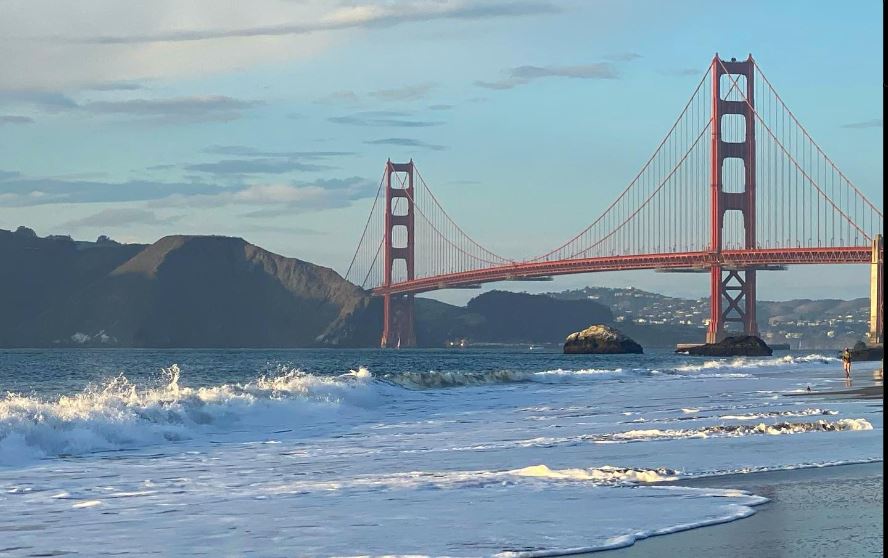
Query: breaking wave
point(741, 430)
point(744, 362)
point(598, 476)
point(120, 414)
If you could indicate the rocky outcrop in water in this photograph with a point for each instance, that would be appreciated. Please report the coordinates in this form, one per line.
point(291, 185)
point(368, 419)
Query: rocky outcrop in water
point(600, 339)
point(862, 351)
point(741, 345)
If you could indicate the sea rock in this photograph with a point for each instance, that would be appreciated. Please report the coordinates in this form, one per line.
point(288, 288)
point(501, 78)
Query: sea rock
point(740, 345)
point(862, 351)
point(600, 339)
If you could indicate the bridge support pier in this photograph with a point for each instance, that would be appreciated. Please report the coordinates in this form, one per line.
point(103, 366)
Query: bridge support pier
point(397, 313)
point(732, 291)
point(398, 325)
point(733, 301)
point(876, 293)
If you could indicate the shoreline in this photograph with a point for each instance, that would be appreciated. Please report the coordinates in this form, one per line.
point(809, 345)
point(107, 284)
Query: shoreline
point(834, 511)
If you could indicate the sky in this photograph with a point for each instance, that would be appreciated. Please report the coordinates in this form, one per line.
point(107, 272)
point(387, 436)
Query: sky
point(271, 120)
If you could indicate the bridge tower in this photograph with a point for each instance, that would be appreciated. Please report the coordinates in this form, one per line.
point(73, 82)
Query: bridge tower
point(398, 322)
point(732, 290)
point(877, 318)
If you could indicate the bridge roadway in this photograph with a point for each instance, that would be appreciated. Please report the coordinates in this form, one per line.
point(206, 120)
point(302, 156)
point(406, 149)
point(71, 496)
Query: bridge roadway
point(702, 261)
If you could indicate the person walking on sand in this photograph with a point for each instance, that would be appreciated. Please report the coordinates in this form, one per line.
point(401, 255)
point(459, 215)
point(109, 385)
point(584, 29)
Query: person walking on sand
point(846, 364)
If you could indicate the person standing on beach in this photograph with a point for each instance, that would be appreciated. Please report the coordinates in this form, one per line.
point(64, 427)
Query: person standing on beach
point(846, 364)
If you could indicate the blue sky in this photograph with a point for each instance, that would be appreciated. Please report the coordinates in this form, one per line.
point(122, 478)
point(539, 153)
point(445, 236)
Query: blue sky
point(271, 120)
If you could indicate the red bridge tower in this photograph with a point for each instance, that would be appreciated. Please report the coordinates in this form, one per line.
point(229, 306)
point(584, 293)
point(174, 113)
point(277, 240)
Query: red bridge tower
point(397, 328)
point(732, 290)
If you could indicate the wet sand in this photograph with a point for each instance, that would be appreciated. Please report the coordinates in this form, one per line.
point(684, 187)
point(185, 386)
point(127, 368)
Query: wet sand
point(834, 512)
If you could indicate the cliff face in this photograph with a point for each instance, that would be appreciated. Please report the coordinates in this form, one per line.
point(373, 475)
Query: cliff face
point(181, 291)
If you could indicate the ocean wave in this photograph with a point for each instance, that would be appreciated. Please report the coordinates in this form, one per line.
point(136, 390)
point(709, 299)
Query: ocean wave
point(741, 430)
point(747, 362)
point(654, 434)
point(121, 415)
point(415, 480)
point(442, 379)
point(434, 379)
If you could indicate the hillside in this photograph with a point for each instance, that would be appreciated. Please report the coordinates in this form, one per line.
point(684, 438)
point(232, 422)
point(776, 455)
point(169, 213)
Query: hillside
point(213, 291)
point(802, 323)
point(181, 291)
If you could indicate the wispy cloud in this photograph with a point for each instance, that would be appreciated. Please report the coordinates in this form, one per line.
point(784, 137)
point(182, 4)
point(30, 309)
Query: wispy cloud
point(525, 74)
point(440, 107)
point(245, 151)
point(270, 165)
point(344, 97)
point(406, 93)
point(683, 72)
point(178, 109)
point(174, 109)
point(874, 123)
point(120, 217)
point(115, 86)
point(623, 56)
point(406, 142)
point(352, 17)
point(19, 190)
point(242, 160)
point(47, 101)
point(14, 119)
point(275, 199)
point(382, 119)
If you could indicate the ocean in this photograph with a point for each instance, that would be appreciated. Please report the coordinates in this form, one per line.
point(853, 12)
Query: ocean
point(460, 453)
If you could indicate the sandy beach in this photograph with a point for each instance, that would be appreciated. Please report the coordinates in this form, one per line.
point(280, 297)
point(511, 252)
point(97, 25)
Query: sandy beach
point(835, 512)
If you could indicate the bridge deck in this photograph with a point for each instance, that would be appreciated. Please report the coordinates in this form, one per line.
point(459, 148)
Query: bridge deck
point(701, 260)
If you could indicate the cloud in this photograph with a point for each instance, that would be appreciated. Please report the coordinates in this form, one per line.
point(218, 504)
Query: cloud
point(245, 151)
point(623, 56)
point(15, 119)
point(406, 93)
point(344, 97)
point(382, 119)
point(874, 123)
point(174, 109)
point(120, 217)
point(101, 41)
point(349, 17)
point(46, 101)
point(19, 190)
point(315, 196)
point(440, 107)
point(275, 199)
point(178, 109)
point(525, 74)
point(242, 160)
point(681, 72)
point(256, 166)
point(115, 86)
point(406, 142)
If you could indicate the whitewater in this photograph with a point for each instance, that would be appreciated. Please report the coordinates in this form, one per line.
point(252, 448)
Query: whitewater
point(459, 453)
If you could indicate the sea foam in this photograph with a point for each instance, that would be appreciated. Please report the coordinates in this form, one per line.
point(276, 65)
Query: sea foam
point(121, 415)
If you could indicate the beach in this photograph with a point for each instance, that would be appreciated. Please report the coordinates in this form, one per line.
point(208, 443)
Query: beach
point(832, 511)
point(829, 511)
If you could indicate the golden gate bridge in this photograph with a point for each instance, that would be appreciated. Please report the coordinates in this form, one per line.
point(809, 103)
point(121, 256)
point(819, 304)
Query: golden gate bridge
point(736, 186)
